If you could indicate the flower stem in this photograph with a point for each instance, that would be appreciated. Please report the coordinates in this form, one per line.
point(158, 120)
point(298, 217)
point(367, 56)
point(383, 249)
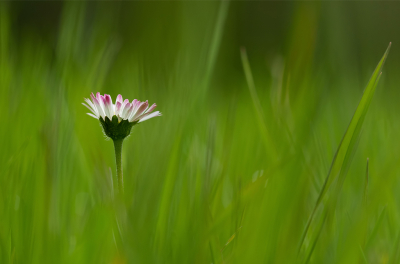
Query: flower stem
point(118, 161)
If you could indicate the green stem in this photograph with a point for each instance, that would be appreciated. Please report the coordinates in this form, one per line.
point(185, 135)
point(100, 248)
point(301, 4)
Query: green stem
point(118, 161)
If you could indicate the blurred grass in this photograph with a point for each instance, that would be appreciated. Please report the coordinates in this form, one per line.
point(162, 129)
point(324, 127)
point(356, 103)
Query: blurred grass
point(204, 182)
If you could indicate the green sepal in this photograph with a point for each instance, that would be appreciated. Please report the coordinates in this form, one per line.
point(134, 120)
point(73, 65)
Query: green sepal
point(116, 130)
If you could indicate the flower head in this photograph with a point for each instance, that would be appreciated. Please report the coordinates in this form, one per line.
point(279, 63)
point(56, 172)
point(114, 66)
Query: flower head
point(117, 119)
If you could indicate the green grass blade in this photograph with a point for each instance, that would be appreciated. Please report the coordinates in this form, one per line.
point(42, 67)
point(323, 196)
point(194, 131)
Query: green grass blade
point(316, 237)
point(366, 183)
point(216, 39)
point(167, 192)
point(364, 258)
point(376, 228)
point(266, 136)
point(342, 158)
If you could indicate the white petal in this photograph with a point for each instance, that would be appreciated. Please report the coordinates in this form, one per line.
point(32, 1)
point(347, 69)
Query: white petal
point(119, 99)
point(91, 109)
point(100, 99)
point(129, 113)
point(117, 108)
point(121, 110)
point(92, 115)
point(98, 105)
point(135, 106)
point(91, 105)
point(140, 110)
point(108, 104)
point(149, 110)
point(104, 106)
point(124, 112)
point(156, 113)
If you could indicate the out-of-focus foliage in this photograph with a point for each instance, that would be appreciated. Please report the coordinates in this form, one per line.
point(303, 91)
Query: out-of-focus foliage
point(230, 173)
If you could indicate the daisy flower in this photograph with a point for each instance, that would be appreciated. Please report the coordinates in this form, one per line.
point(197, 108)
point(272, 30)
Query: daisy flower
point(118, 119)
point(137, 111)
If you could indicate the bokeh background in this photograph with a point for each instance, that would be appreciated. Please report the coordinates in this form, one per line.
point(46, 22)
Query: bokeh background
point(231, 172)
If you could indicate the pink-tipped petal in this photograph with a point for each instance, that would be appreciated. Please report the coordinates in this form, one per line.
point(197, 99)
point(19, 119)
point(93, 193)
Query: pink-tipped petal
point(151, 108)
point(119, 99)
point(140, 110)
point(109, 105)
point(98, 96)
point(92, 97)
point(129, 113)
point(103, 104)
point(123, 106)
point(100, 99)
point(136, 106)
point(134, 102)
point(91, 105)
point(150, 115)
point(125, 111)
point(98, 106)
point(117, 108)
point(107, 98)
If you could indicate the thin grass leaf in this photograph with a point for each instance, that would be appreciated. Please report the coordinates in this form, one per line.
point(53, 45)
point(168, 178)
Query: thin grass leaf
point(366, 183)
point(364, 258)
point(376, 228)
point(317, 237)
point(342, 159)
point(166, 197)
point(230, 239)
point(216, 39)
point(211, 252)
point(365, 204)
point(266, 136)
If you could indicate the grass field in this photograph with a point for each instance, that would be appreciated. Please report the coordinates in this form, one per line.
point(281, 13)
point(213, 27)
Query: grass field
point(257, 97)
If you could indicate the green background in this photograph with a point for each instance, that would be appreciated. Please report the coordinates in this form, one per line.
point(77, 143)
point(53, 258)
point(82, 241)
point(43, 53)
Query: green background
point(228, 174)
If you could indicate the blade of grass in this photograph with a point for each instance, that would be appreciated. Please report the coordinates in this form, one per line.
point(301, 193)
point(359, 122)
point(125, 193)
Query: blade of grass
point(316, 238)
point(376, 228)
point(342, 159)
point(167, 192)
point(366, 183)
point(216, 39)
point(364, 258)
point(365, 204)
point(236, 232)
point(266, 136)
